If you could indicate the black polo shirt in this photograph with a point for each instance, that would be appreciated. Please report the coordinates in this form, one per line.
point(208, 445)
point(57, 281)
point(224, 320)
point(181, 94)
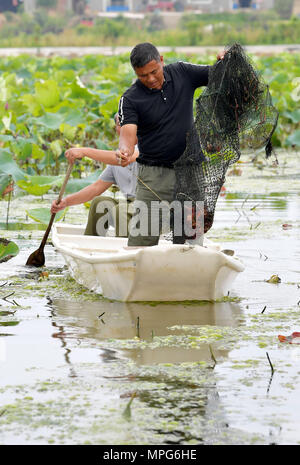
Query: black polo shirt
point(163, 116)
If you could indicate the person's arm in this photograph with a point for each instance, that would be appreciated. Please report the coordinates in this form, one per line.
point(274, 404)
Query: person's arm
point(129, 120)
point(84, 195)
point(127, 142)
point(198, 74)
point(109, 157)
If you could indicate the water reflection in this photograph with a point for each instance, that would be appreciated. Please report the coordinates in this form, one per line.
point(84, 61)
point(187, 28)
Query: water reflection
point(188, 404)
point(119, 320)
point(252, 208)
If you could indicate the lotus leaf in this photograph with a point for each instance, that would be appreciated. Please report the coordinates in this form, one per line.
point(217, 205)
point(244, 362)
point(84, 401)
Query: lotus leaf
point(32, 105)
point(74, 185)
point(56, 147)
point(72, 116)
point(34, 190)
point(68, 131)
point(6, 120)
point(8, 249)
point(47, 93)
point(294, 139)
point(9, 166)
point(294, 116)
point(101, 145)
point(6, 138)
point(50, 121)
point(37, 152)
point(78, 90)
point(5, 180)
point(43, 215)
point(109, 108)
point(39, 185)
point(22, 148)
point(73, 99)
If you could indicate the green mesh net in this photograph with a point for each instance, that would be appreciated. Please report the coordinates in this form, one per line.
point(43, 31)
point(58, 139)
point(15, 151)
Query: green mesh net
point(234, 111)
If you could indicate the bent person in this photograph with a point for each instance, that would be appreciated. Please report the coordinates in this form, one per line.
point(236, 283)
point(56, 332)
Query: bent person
point(105, 211)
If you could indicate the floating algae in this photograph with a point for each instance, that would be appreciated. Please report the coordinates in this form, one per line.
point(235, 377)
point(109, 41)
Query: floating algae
point(182, 396)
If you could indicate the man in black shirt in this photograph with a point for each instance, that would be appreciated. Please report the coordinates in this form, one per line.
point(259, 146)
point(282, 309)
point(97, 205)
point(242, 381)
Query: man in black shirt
point(158, 110)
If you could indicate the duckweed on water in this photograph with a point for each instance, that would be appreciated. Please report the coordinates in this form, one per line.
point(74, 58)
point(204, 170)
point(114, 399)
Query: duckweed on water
point(53, 285)
point(205, 335)
point(169, 414)
point(187, 403)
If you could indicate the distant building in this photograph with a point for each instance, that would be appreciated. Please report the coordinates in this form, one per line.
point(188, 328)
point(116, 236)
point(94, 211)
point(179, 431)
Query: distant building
point(119, 6)
point(205, 6)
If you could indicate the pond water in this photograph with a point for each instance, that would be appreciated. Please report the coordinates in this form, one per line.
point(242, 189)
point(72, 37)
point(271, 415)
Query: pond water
point(76, 368)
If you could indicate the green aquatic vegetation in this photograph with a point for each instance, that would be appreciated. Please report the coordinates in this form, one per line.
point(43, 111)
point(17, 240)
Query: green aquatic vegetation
point(9, 166)
point(9, 323)
point(6, 313)
point(39, 185)
point(246, 364)
point(274, 279)
point(50, 104)
point(191, 303)
point(5, 181)
point(43, 215)
point(173, 400)
point(262, 344)
point(52, 285)
point(8, 249)
point(204, 335)
point(127, 412)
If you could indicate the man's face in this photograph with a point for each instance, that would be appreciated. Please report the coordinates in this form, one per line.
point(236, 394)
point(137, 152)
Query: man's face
point(152, 74)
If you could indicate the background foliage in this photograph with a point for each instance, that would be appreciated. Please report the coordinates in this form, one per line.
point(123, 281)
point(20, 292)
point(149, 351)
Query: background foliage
point(50, 104)
point(254, 27)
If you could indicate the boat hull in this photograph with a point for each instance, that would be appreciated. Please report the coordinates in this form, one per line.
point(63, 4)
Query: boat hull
point(165, 272)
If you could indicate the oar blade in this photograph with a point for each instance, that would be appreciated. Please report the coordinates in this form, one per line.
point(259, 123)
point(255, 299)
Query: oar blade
point(36, 259)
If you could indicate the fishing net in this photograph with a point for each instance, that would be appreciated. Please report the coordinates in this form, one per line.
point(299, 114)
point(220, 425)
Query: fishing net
point(234, 111)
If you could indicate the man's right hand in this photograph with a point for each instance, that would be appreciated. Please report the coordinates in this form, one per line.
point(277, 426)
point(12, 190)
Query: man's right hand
point(55, 208)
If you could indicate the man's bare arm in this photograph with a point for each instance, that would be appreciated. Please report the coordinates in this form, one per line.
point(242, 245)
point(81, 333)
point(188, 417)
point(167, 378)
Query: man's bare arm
point(127, 141)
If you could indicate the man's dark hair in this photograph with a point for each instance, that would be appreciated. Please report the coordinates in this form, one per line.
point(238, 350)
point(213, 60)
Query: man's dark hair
point(142, 54)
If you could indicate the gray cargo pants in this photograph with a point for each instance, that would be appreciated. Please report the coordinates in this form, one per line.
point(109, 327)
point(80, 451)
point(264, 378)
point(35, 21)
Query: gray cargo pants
point(157, 185)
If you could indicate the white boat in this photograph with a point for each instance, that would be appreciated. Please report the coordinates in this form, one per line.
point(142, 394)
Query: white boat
point(165, 272)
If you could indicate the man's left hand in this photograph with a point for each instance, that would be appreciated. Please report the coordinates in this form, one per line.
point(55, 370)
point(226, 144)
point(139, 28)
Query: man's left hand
point(74, 154)
point(221, 55)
